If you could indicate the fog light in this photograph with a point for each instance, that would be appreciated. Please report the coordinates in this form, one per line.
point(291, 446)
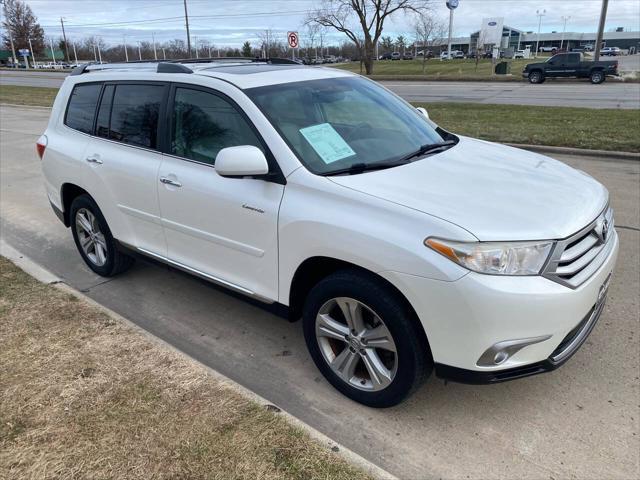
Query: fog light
point(501, 351)
point(500, 357)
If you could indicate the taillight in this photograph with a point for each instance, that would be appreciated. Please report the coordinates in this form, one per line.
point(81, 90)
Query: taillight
point(41, 145)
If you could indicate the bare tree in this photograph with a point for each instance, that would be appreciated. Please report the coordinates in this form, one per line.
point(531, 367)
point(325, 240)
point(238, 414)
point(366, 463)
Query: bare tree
point(425, 28)
point(362, 21)
point(23, 25)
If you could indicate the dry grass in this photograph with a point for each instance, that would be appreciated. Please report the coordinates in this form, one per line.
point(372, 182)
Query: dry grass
point(83, 396)
point(19, 95)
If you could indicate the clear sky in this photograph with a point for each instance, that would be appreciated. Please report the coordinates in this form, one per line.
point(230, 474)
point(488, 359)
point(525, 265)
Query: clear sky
point(231, 22)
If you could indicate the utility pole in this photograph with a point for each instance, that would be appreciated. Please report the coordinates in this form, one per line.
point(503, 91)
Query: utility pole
point(33, 55)
point(126, 54)
point(64, 36)
point(139, 51)
point(186, 21)
point(13, 48)
point(603, 17)
point(155, 53)
point(564, 27)
point(540, 14)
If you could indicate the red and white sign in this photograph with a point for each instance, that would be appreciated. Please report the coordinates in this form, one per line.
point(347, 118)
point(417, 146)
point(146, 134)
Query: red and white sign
point(292, 38)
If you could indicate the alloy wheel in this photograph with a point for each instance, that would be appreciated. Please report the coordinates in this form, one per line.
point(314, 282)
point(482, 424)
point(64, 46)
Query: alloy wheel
point(92, 240)
point(356, 344)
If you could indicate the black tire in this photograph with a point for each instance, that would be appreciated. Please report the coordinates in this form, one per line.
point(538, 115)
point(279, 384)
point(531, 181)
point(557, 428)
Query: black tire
point(597, 77)
point(413, 357)
point(536, 77)
point(116, 261)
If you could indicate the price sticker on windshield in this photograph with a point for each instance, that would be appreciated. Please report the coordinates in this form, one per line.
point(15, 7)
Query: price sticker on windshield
point(327, 143)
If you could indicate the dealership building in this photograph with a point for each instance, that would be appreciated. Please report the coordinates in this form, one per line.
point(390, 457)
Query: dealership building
point(515, 39)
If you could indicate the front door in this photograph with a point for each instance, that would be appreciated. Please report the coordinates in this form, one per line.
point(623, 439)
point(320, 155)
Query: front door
point(225, 228)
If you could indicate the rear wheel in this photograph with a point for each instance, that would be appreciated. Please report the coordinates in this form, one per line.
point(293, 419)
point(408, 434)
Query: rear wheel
point(363, 338)
point(94, 240)
point(597, 77)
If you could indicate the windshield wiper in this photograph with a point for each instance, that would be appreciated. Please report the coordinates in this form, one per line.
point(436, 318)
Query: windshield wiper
point(428, 148)
point(364, 167)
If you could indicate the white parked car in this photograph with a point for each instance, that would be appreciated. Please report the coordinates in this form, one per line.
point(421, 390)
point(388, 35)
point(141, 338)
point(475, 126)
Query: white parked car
point(404, 248)
point(519, 54)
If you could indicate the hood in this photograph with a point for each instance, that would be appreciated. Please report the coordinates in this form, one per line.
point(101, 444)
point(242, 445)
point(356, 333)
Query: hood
point(493, 191)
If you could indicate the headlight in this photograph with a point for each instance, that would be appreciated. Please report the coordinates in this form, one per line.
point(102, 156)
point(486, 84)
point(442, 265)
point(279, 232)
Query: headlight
point(495, 258)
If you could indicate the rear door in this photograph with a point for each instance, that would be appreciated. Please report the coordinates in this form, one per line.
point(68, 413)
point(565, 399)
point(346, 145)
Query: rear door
point(224, 228)
point(124, 158)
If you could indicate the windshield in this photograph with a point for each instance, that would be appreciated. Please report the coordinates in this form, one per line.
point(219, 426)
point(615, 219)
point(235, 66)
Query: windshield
point(338, 123)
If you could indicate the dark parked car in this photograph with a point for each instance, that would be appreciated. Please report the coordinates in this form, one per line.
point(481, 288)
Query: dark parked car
point(407, 56)
point(566, 65)
point(385, 56)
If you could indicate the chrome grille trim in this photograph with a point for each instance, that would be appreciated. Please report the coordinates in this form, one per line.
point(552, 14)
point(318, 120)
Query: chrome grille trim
point(574, 259)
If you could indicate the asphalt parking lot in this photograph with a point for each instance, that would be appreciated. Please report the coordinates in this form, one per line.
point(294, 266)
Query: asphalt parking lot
point(581, 421)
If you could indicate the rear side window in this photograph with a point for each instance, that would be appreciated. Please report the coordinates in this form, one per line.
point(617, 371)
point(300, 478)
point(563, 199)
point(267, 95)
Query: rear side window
point(104, 112)
point(134, 114)
point(82, 107)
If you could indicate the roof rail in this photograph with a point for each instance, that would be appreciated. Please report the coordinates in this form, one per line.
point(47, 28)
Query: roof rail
point(272, 61)
point(176, 66)
point(159, 67)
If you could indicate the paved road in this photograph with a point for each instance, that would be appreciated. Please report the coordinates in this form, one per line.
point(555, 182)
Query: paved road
point(581, 421)
point(610, 95)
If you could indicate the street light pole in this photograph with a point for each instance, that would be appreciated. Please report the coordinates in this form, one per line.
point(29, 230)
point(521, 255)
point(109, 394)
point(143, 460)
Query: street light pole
point(75, 55)
point(564, 28)
point(196, 42)
point(540, 14)
point(155, 53)
point(126, 54)
point(139, 51)
point(603, 17)
point(33, 55)
point(53, 54)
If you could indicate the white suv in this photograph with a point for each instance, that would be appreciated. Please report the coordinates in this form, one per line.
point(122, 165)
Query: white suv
point(403, 247)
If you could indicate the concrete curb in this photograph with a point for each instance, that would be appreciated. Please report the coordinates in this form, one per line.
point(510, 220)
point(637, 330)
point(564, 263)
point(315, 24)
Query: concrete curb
point(578, 151)
point(44, 276)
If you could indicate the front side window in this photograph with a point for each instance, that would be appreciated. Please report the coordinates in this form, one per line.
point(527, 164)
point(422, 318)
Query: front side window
point(134, 114)
point(204, 123)
point(341, 123)
point(82, 107)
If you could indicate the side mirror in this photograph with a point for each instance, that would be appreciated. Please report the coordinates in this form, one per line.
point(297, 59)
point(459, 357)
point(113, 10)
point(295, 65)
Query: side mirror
point(241, 161)
point(423, 111)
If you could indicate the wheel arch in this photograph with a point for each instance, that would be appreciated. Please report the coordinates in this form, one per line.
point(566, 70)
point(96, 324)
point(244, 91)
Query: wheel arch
point(68, 193)
point(314, 269)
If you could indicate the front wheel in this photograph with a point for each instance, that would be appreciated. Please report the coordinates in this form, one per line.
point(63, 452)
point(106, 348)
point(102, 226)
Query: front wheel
point(94, 240)
point(597, 77)
point(364, 339)
point(536, 77)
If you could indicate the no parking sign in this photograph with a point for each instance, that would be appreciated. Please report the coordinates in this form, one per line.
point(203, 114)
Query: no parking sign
point(292, 38)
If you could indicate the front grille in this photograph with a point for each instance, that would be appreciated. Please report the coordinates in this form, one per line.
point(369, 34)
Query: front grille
point(576, 258)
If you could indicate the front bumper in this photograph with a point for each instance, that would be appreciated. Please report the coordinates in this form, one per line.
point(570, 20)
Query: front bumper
point(525, 74)
point(569, 345)
point(464, 318)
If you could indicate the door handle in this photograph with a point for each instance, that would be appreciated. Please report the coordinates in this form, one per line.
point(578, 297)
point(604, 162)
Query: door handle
point(94, 159)
point(168, 181)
